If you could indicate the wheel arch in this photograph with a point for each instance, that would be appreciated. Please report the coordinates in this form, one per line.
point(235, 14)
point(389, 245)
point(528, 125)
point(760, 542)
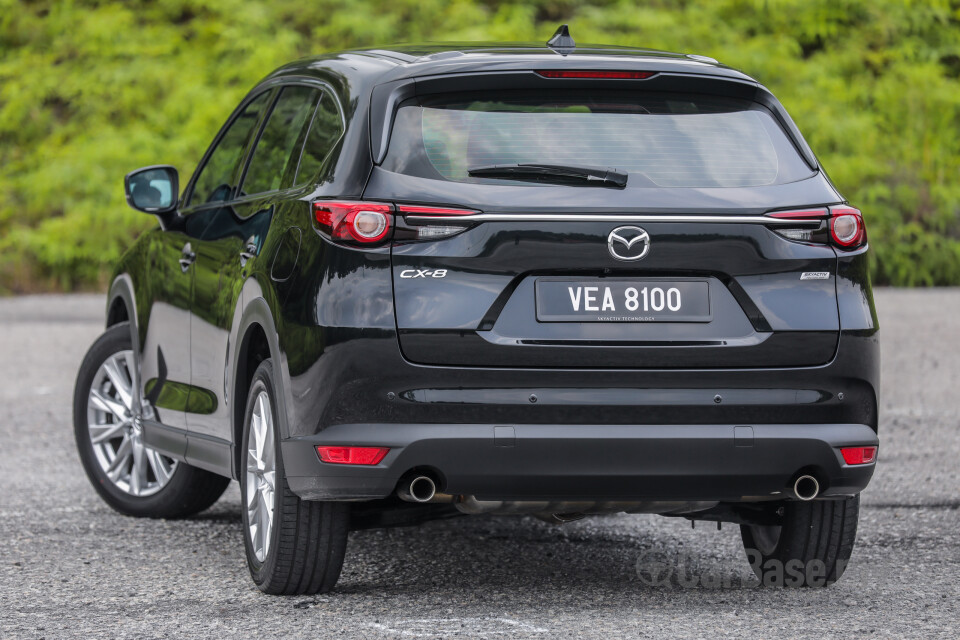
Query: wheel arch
point(257, 340)
point(121, 304)
point(117, 311)
point(121, 307)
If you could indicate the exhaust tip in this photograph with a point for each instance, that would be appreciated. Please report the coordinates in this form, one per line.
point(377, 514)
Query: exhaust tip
point(418, 489)
point(423, 488)
point(806, 488)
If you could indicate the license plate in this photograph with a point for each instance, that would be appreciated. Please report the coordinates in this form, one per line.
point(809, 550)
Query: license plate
point(622, 300)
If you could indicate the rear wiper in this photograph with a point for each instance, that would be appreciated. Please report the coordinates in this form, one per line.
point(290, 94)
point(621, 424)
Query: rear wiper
point(589, 176)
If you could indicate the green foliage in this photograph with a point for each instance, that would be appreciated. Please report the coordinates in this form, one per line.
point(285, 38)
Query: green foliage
point(90, 90)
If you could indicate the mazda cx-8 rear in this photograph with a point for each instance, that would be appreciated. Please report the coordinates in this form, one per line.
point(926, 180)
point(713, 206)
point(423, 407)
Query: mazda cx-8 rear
point(620, 283)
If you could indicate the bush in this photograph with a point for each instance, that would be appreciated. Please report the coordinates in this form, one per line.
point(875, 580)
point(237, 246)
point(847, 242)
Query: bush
point(90, 90)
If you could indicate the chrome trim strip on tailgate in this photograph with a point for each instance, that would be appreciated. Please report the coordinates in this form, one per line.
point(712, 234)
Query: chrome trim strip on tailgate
point(549, 217)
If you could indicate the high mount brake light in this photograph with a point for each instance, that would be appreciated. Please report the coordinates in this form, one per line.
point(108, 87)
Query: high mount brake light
point(841, 226)
point(355, 222)
point(609, 75)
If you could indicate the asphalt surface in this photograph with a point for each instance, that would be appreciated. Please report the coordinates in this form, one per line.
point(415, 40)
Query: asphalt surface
point(71, 567)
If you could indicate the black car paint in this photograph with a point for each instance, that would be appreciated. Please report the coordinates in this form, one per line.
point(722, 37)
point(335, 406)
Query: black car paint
point(326, 313)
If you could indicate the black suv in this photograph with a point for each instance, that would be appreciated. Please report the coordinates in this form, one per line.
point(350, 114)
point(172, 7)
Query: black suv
point(413, 283)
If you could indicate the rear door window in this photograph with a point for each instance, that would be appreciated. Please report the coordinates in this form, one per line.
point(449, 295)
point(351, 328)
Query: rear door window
point(277, 145)
point(660, 140)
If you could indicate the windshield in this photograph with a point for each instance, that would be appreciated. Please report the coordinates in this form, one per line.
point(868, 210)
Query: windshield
point(660, 140)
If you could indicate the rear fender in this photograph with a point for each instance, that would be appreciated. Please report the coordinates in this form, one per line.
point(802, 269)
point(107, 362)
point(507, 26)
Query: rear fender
point(256, 311)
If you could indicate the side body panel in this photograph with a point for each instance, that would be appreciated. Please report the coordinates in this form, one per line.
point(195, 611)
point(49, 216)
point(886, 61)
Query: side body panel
point(238, 295)
point(220, 271)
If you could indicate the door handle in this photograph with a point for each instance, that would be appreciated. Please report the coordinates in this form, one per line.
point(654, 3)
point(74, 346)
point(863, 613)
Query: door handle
point(187, 256)
point(249, 251)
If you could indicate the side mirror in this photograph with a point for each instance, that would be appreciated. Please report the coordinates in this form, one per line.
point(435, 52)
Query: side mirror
point(153, 189)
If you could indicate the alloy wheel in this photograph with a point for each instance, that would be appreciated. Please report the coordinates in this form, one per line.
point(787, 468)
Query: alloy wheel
point(261, 476)
point(116, 431)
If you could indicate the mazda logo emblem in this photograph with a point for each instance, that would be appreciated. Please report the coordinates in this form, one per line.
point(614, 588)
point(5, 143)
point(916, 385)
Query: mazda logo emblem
point(628, 243)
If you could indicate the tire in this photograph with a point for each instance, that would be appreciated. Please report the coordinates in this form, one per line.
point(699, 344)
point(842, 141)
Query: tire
point(812, 547)
point(301, 550)
point(166, 488)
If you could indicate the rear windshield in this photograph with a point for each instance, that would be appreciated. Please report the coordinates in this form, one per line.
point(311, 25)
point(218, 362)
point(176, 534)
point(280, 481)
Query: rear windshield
point(660, 140)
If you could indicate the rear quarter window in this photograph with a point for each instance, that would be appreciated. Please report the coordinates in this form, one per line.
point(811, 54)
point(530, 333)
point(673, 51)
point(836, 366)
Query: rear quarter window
point(325, 132)
point(660, 140)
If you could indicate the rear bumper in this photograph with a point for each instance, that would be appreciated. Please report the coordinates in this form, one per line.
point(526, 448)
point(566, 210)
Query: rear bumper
point(721, 462)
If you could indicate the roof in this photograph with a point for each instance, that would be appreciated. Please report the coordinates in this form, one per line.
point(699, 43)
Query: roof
point(411, 60)
point(413, 53)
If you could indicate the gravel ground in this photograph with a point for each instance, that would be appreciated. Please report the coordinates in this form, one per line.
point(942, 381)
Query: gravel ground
point(71, 567)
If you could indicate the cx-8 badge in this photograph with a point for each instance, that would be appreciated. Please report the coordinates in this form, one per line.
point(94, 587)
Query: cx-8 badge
point(628, 243)
point(423, 273)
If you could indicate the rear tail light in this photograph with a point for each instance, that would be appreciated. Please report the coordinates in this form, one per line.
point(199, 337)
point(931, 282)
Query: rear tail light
point(366, 456)
point(369, 223)
point(801, 214)
point(369, 226)
point(416, 210)
point(810, 227)
point(431, 223)
point(846, 227)
point(841, 226)
point(859, 455)
point(354, 222)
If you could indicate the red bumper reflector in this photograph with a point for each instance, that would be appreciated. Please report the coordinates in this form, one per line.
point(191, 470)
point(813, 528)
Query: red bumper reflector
point(859, 455)
point(352, 455)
